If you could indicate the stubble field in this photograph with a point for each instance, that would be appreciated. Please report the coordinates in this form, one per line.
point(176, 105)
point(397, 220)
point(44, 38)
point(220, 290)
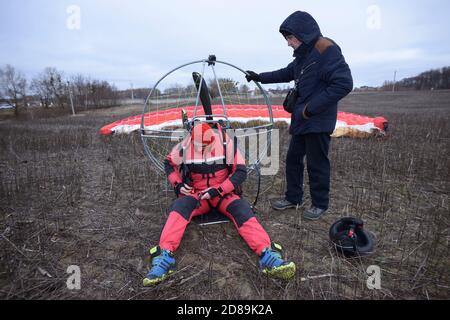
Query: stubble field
point(69, 196)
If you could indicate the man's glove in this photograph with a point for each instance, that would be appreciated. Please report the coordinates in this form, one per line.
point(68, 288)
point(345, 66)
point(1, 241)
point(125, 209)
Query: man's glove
point(252, 76)
point(211, 192)
point(178, 187)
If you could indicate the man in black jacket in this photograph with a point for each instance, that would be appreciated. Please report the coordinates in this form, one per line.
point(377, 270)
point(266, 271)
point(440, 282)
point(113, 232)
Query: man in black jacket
point(322, 78)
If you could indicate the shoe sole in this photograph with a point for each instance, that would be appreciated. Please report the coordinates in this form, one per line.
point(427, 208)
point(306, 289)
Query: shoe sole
point(151, 282)
point(284, 272)
point(284, 208)
point(315, 219)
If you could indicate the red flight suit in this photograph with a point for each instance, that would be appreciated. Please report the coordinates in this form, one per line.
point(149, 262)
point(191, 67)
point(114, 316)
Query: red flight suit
point(220, 166)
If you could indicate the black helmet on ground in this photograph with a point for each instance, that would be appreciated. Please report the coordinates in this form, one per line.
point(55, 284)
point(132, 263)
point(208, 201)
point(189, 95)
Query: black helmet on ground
point(349, 237)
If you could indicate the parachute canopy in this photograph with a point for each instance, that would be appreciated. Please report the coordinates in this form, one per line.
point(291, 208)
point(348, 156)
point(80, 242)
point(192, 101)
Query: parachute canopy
point(348, 124)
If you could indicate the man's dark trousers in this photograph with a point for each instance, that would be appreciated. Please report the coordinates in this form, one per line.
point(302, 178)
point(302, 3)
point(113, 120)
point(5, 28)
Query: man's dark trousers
point(315, 147)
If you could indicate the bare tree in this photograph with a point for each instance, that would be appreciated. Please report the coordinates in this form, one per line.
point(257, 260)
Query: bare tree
point(54, 80)
point(13, 87)
point(39, 87)
point(102, 93)
point(244, 89)
point(50, 87)
point(80, 90)
point(227, 86)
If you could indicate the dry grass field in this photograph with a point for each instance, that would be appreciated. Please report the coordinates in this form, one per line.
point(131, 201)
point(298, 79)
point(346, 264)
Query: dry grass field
point(69, 196)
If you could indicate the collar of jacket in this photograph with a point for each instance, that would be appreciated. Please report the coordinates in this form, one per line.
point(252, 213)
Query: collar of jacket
point(305, 48)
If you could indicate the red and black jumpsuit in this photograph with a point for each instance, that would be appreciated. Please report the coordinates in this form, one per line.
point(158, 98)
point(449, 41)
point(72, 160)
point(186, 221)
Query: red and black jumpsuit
point(211, 168)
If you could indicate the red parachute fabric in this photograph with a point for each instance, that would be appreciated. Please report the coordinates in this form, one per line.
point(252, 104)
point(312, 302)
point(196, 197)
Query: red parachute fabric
point(348, 124)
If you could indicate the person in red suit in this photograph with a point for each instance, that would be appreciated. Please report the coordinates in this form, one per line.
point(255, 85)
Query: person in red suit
point(206, 171)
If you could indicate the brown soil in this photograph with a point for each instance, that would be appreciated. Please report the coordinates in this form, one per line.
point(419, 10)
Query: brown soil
point(69, 196)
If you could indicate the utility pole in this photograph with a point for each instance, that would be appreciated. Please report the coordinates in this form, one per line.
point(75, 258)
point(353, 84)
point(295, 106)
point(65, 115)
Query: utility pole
point(132, 92)
point(393, 84)
point(70, 95)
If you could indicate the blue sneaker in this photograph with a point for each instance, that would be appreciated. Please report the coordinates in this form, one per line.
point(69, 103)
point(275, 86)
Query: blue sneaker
point(274, 266)
point(163, 264)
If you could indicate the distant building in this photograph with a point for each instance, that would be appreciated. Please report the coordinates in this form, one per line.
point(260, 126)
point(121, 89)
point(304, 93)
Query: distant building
point(365, 88)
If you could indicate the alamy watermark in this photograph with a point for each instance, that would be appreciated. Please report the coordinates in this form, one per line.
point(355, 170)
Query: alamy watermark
point(373, 21)
point(374, 279)
point(73, 21)
point(74, 280)
point(260, 146)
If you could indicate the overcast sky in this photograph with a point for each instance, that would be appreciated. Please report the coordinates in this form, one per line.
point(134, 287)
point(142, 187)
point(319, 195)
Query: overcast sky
point(139, 41)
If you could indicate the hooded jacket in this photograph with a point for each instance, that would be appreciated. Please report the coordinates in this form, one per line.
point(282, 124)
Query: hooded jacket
point(322, 77)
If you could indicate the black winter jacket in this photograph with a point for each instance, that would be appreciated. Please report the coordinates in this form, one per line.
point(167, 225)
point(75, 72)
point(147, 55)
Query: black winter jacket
point(322, 77)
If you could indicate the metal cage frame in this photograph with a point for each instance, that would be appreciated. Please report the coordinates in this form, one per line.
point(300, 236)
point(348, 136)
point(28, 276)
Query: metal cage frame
point(169, 134)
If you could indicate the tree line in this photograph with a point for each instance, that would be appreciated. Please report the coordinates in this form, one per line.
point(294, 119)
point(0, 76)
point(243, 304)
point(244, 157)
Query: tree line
point(227, 86)
point(436, 79)
point(53, 89)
